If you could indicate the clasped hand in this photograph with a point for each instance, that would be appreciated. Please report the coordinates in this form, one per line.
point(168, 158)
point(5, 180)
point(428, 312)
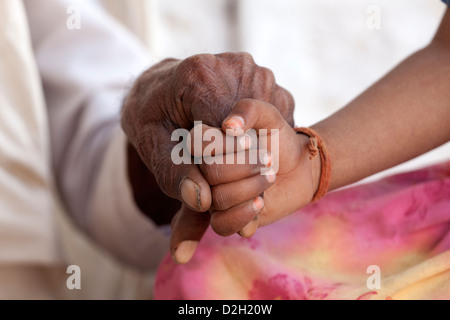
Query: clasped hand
point(230, 93)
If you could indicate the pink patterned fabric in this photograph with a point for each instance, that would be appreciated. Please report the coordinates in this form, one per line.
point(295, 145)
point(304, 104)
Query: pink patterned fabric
point(400, 224)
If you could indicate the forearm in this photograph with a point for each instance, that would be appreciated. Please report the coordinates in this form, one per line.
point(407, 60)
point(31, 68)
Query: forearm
point(405, 114)
point(84, 91)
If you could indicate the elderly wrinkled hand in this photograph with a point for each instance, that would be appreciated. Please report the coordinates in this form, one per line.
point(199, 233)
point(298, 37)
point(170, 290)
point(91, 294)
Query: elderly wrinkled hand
point(173, 95)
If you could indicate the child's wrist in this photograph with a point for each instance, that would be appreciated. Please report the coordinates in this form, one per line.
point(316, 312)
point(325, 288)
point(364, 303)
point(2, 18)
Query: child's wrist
point(315, 161)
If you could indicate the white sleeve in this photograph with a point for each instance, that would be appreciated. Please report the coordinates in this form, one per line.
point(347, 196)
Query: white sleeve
point(86, 73)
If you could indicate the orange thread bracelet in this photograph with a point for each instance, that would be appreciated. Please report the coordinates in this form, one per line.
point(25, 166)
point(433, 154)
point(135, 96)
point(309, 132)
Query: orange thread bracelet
point(317, 146)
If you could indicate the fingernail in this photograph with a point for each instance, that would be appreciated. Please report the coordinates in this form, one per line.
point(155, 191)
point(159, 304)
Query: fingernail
point(235, 122)
point(245, 142)
point(190, 193)
point(249, 230)
point(267, 159)
point(185, 251)
point(271, 176)
point(257, 204)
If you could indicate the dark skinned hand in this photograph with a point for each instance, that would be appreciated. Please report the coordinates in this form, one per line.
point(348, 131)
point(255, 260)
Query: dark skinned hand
point(172, 95)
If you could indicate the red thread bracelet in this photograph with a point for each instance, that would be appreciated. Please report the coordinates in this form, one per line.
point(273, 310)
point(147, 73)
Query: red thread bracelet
point(317, 146)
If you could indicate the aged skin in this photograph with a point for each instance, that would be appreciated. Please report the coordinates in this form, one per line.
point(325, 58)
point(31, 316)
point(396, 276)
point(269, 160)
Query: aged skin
point(173, 94)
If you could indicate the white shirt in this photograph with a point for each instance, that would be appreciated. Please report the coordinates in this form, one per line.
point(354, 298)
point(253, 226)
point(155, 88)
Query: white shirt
point(85, 74)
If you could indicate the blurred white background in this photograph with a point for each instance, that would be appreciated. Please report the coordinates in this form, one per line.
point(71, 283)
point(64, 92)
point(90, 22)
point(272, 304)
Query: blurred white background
point(324, 52)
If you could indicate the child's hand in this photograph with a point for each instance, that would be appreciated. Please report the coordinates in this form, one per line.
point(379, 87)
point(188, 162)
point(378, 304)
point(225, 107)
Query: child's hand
point(297, 176)
point(283, 172)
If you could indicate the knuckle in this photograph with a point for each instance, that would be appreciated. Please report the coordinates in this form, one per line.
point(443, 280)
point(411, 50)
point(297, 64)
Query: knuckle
point(167, 60)
point(197, 62)
point(287, 97)
point(238, 58)
point(264, 84)
point(199, 73)
point(285, 103)
point(246, 58)
point(267, 75)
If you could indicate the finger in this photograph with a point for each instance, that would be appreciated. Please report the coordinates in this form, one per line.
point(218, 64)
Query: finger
point(268, 123)
point(250, 229)
point(266, 89)
point(232, 167)
point(174, 170)
point(187, 228)
point(206, 141)
point(253, 114)
point(226, 196)
point(231, 221)
point(284, 102)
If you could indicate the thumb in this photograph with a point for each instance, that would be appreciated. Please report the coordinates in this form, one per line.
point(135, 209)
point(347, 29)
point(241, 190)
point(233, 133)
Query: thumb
point(187, 228)
point(267, 122)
